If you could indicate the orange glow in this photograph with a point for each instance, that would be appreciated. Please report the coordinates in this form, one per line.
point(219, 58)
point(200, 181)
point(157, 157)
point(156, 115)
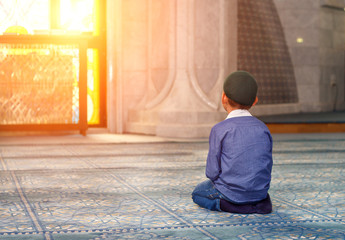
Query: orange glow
point(93, 105)
point(82, 16)
point(76, 16)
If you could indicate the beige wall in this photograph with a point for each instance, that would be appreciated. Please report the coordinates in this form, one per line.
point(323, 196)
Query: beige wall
point(167, 60)
point(319, 60)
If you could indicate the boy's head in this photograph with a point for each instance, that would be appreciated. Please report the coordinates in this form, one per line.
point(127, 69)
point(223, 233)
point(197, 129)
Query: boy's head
point(241, 88)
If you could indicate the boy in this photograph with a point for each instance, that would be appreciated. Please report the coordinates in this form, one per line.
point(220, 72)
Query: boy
point(239, 160)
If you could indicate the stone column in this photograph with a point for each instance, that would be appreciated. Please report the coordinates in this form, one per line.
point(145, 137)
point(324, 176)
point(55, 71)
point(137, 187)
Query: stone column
point(185, 77)
point(114, 67)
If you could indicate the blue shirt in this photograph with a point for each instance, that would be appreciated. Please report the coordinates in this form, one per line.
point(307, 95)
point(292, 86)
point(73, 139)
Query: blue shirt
point(239, 160)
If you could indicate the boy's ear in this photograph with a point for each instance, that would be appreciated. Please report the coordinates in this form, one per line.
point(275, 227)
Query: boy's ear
point(224, 98)
point(255, 102)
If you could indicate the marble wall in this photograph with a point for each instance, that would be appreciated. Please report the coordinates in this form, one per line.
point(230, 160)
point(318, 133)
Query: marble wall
point(167, 60)
point(315, 34)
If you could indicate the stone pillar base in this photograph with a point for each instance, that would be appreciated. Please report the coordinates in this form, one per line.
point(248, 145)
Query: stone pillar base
point(180, 124)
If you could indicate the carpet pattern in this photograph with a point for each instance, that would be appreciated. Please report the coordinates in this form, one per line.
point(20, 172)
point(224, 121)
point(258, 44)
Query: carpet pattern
point(143, 191)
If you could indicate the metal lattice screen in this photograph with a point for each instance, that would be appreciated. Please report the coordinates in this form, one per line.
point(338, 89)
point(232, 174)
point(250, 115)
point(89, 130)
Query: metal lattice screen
point(262, 51)
point(39, 84)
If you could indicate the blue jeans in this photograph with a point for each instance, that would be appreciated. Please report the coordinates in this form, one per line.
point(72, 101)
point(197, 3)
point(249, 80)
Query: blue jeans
point(207, 196)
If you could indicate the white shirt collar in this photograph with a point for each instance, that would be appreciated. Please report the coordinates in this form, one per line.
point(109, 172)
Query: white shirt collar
point(239, 113)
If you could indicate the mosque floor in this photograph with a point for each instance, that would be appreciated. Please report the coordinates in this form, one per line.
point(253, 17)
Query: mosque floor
point(106, 186)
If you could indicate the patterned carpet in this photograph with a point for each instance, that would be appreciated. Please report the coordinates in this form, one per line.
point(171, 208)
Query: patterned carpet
point(142, 191)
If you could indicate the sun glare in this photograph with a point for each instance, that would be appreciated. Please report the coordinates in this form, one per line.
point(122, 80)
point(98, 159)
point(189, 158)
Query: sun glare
point(19, 17)
point(77, 15)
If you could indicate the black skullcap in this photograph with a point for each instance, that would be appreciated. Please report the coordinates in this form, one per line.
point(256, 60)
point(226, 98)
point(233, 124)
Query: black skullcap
point(241, 87)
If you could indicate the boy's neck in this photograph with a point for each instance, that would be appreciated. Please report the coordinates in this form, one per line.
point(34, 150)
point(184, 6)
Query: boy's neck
point(230, 109)
point(238, 113)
